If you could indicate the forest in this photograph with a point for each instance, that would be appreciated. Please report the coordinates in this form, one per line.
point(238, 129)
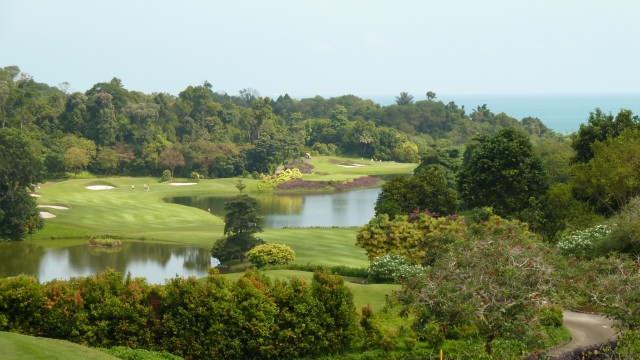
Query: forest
point(109, 130)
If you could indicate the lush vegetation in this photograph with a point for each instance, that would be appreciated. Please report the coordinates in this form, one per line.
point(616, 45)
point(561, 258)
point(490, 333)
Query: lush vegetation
point(501, 217)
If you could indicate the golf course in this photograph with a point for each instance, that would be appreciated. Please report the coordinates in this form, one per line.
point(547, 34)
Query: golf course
point(122, 208)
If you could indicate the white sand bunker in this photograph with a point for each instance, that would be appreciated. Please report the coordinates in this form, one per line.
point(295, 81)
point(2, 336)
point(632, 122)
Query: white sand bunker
point(182, 184)
point(100, 187)
point(46, 215)
point(57, 207)
point(35, 195)
point(352, 165)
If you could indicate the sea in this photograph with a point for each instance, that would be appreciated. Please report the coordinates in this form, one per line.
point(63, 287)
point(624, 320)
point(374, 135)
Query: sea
point(561, 112)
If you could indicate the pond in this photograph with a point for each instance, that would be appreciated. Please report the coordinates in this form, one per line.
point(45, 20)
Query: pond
point(342, 209)
point(156, 262)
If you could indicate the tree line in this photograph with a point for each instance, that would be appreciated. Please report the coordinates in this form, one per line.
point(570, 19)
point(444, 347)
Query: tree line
point(110, 130)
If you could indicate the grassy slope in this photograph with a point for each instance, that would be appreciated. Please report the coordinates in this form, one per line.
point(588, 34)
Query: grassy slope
point(16, 346)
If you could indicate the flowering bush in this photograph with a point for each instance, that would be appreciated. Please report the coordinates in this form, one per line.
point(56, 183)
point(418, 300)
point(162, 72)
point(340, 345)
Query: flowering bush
point(393, 268)
point(270, 182)
point(271, 254)
point(585, 243)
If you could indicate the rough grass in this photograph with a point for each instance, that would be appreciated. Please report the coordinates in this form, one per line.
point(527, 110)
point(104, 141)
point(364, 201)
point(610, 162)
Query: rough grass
point(16, 346)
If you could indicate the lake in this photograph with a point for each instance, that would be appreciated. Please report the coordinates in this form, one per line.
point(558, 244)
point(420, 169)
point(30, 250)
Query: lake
point(156, 262)
point(342, 209)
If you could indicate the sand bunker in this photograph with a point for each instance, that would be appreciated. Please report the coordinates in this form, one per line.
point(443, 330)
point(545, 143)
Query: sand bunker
point(58, 207)
point(100, 187)
point(352, 165)
point(182, 184)
point(46, 215)
point(35, 195)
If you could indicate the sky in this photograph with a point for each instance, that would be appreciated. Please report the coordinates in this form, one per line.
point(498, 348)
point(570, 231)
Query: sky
point(328, 47)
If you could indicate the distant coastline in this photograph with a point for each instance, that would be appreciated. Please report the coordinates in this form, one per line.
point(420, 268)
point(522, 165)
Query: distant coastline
point(561, 112)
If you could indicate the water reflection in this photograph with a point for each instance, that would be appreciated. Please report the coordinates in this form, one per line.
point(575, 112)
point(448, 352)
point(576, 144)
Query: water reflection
point(351, 208)
point(156, 262)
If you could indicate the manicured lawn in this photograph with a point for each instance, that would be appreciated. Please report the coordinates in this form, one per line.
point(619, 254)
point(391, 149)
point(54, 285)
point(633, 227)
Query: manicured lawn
point(363, 294)
point(18, 347)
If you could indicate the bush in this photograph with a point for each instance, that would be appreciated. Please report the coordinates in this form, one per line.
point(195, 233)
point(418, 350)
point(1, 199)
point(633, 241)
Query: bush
point(551, 316)
point(271, 254)
point(166, 176)
point(393, 268)
point(587, 244)
point(625, 235)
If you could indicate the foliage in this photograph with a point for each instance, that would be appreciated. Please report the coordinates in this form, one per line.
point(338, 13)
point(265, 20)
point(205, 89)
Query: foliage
point(625, 229)
point(612, 176)
point(393, 268)
point(420, 238)
point(491, 286)
point(166, 176)
point(253, 318)
point(240, 225)
point(270, 182)
point(20, 170)
point(599, 128)
point(588, 243)
point(126, 353)
point(104, 242)
point(502, 172)
point(426, 190)
point(629, 345)
point(271, 254)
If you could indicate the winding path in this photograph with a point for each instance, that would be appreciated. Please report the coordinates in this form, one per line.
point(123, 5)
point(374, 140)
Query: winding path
point(585, 329)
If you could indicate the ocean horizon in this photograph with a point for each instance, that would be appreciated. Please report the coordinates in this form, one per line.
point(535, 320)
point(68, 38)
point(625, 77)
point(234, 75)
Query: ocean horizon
point(561, 112)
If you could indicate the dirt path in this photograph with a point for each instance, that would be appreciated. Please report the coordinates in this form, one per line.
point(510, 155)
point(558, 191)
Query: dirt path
point(585, 329)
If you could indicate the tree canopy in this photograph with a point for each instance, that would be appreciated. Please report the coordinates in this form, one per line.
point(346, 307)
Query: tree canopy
point(502, 172)
point(20, 170)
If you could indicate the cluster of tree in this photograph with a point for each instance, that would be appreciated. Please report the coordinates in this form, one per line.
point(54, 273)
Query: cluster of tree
point(111, 130)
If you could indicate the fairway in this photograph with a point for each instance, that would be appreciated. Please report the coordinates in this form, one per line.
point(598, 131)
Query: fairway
point(18, 347)
point(122, 208)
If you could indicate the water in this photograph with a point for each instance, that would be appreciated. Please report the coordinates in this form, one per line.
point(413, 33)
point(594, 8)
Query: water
point(561, 112)
point(350, 208)
point(156, 262)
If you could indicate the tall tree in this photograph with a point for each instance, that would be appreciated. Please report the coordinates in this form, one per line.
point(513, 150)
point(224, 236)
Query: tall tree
point(502, 172)
point(172, 158)
point(241, 223)
point(404, 98)
point(20, 170)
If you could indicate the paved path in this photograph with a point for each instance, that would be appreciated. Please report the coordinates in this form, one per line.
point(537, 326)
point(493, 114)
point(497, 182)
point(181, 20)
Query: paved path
point(585, 329)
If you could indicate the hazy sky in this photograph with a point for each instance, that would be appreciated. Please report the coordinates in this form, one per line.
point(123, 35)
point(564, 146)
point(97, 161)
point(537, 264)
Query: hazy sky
point(329, 47)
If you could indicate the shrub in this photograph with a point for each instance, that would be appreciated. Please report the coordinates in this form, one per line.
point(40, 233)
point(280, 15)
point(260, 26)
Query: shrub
point(586, 243)
point(166, 176)
point(195, 175)
point(393, 268)
point(551, 316)
point(271, 254)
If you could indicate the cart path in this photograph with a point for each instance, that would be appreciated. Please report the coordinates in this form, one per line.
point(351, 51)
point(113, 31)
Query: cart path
point(585, 329)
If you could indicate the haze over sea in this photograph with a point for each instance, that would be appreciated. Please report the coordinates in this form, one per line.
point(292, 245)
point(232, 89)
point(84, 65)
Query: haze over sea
point(561, 112)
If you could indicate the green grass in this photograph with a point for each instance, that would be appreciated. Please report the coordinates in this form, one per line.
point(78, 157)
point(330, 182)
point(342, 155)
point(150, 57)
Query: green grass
point(363, 294)
point(328, 168)
point(16, 346)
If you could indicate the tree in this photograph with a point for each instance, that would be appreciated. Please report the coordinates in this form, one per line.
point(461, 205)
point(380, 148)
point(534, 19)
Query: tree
point(491, 286)
point(76, 159)
point(20, 170)
point(612, 176)
point(502, 172)
point(404, 98)
point(241, 223)
point(426, 190)
point(431, 95)
point(171, 157)
point(600, 126)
